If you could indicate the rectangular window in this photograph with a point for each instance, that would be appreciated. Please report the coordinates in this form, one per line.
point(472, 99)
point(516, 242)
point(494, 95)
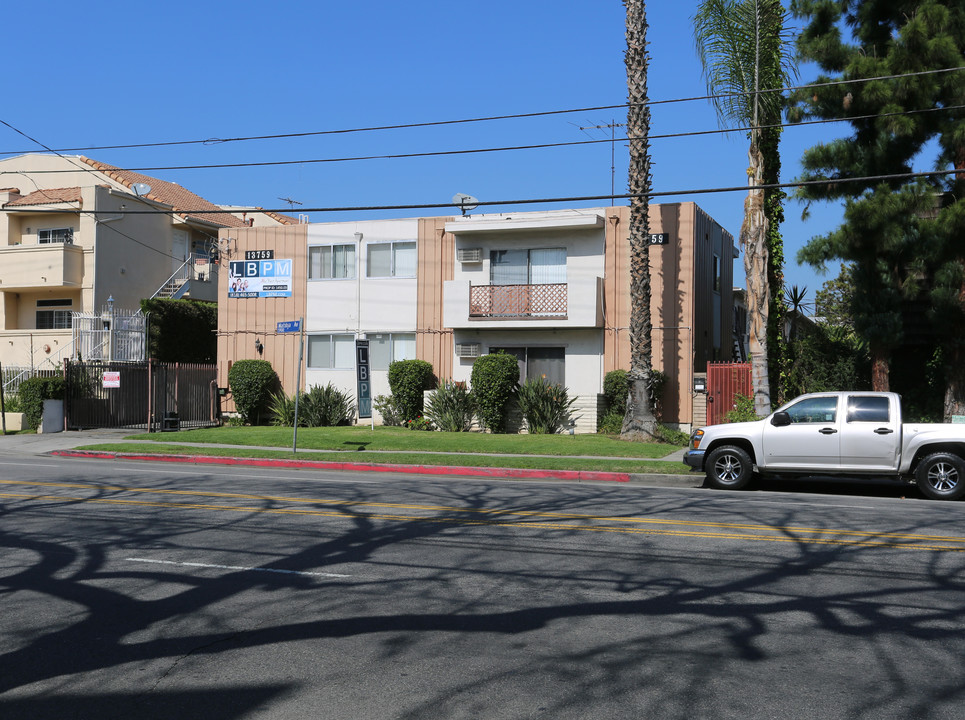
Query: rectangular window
point(716, 273)
point(869, 409)
point(327, 262)
point(548, 363)
point(56, 235)
point(331, 352)
point(391, 259)
point(385, 348)
point(54, 319)
point(539, 266)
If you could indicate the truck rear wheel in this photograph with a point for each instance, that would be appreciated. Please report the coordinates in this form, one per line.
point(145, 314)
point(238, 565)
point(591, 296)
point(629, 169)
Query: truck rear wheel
point(941, 476)
point(729, 468)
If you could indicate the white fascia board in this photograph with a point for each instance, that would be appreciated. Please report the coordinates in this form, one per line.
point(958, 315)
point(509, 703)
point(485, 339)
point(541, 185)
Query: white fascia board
point(589, 221)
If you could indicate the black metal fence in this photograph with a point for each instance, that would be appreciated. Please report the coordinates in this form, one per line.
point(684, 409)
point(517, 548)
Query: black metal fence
point(147, 395)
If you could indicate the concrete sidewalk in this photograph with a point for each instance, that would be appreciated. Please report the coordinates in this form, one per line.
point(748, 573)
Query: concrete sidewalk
point(65, 444)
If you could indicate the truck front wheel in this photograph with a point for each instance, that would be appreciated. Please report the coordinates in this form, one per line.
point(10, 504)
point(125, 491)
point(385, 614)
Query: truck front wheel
point(941, 476)
point(729, 468)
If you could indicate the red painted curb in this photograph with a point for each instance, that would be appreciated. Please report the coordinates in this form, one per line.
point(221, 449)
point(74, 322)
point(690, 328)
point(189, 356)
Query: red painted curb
point(580, 475)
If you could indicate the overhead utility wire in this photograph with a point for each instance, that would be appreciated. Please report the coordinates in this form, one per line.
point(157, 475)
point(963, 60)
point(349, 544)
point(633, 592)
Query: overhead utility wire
point(539, 146)
point(517, 116)
point(80, 210)
point(582, 198)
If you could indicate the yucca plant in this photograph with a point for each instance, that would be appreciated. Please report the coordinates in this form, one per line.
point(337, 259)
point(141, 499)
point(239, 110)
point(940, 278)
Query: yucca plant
point(326, 407)
point(547, 408)
point(450, 407)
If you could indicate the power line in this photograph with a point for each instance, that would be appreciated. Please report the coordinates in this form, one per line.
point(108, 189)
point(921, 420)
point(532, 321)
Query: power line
point(510, 148)
point(581, 198)
point(81, 211)
point(491, 118)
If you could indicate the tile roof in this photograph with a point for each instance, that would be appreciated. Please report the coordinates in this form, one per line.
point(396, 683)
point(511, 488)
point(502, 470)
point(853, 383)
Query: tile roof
point(181, 200)
point(278, 217)
point(46, 197)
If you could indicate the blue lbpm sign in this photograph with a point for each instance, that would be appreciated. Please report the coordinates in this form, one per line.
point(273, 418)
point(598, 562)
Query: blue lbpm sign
point(260, 278)
point(289, 326)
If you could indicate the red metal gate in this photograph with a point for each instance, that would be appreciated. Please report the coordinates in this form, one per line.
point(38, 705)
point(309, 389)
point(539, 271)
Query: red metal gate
point(725, 381)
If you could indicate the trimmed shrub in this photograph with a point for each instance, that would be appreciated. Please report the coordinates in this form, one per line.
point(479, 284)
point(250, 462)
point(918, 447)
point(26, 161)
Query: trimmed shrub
point(547, 408)
point(32, 394)
point(252, 383)
point(182, 330)
point(494, 379)
point(450, 407)
point(325, 407)
point(389, 410)
point(409, 379)
point(610, 424)
point(616, 390)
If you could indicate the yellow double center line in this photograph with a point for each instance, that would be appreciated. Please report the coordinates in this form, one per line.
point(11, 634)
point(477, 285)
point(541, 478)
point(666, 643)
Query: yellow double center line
point(354, 509)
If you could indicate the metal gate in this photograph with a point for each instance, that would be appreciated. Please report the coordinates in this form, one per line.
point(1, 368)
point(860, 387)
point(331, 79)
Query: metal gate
point(145, 395)
point(725, 381)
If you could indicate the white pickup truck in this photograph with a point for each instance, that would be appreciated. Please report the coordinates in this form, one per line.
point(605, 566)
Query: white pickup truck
point(834, 434)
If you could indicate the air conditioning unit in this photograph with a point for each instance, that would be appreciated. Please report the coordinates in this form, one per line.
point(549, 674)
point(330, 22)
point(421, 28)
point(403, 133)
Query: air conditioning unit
point(469, 255)
point(467, 350)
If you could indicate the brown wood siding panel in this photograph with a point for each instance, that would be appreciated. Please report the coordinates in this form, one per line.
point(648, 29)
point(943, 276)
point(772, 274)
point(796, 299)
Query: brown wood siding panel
point(437, 257)
point(671, 314)
point(242, 321)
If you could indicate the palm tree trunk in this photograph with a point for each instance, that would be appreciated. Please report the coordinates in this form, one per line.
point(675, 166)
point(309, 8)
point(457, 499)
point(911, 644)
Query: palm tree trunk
point(639, 422)
point(753, 238)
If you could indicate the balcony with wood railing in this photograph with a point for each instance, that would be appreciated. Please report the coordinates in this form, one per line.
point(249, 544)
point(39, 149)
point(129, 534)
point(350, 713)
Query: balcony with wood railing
point(578, 303)
point(518, 301)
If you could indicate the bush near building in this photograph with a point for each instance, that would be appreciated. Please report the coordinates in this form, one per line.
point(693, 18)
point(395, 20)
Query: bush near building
point(252, 383)
point(494, 379)
point(32, 394)
point(182, 330)
point(408, 380)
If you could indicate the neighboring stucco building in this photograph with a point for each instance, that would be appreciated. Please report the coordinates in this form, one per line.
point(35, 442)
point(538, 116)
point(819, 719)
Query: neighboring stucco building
point(550, 287)
point(75, 232)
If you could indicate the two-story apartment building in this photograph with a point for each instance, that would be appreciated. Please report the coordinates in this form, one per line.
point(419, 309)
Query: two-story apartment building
point(75, 232)
point(552, 288)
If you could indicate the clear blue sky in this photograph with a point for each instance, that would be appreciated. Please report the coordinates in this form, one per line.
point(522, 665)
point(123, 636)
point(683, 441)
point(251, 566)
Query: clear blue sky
point(81, 75)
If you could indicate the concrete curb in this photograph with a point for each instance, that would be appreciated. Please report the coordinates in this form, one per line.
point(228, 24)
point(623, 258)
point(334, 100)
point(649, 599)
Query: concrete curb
point(482, 472)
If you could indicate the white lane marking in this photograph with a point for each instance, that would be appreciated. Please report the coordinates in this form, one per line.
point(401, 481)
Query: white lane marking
point(237, 567)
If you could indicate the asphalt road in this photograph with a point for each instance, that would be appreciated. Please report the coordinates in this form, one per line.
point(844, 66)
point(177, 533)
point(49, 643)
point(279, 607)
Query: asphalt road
point(135, 590)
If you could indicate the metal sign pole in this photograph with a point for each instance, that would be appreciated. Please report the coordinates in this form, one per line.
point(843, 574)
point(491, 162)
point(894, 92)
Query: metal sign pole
point(298, 381)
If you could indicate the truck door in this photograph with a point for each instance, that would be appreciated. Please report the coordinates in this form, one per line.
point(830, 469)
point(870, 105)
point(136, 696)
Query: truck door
point(871, 433)
point(810, 442)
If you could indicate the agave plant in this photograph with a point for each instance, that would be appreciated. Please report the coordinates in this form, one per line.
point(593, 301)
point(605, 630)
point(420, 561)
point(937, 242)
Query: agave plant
point(450, 407)
point(326, 407)
point(547, 408)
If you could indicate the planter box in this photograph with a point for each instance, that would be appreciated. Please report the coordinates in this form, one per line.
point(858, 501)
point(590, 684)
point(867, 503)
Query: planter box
point(53, 417)
point(14, 421)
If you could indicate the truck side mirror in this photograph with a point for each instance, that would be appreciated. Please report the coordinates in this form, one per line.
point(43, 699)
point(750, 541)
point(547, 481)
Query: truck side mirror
point(780, 419)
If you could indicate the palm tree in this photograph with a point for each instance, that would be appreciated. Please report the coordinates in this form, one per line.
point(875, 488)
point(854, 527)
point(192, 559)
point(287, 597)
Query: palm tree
point(639, 422)
point(745, 51)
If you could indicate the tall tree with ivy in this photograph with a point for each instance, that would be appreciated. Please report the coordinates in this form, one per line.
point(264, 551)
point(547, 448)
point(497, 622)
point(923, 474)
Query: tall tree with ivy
point(640, 422)
point(745, 50)
point(889, 69)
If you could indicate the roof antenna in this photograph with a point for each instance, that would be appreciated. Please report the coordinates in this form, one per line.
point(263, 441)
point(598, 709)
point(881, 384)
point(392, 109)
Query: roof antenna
point(291, 203)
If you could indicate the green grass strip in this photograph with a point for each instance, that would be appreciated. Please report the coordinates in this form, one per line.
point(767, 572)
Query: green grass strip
point(402, 440)
point(627, 465)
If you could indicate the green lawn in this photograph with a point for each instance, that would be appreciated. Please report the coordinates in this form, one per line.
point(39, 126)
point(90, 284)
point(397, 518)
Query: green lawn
point(359, 439)
point(391, 445)
point(529, 462)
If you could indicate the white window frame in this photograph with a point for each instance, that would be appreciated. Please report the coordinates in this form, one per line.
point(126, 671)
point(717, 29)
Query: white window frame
point(334, 356)
point(350, 269)
point(60, 319)
point(55, 236)
point(393, 258)
point(393, 350)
